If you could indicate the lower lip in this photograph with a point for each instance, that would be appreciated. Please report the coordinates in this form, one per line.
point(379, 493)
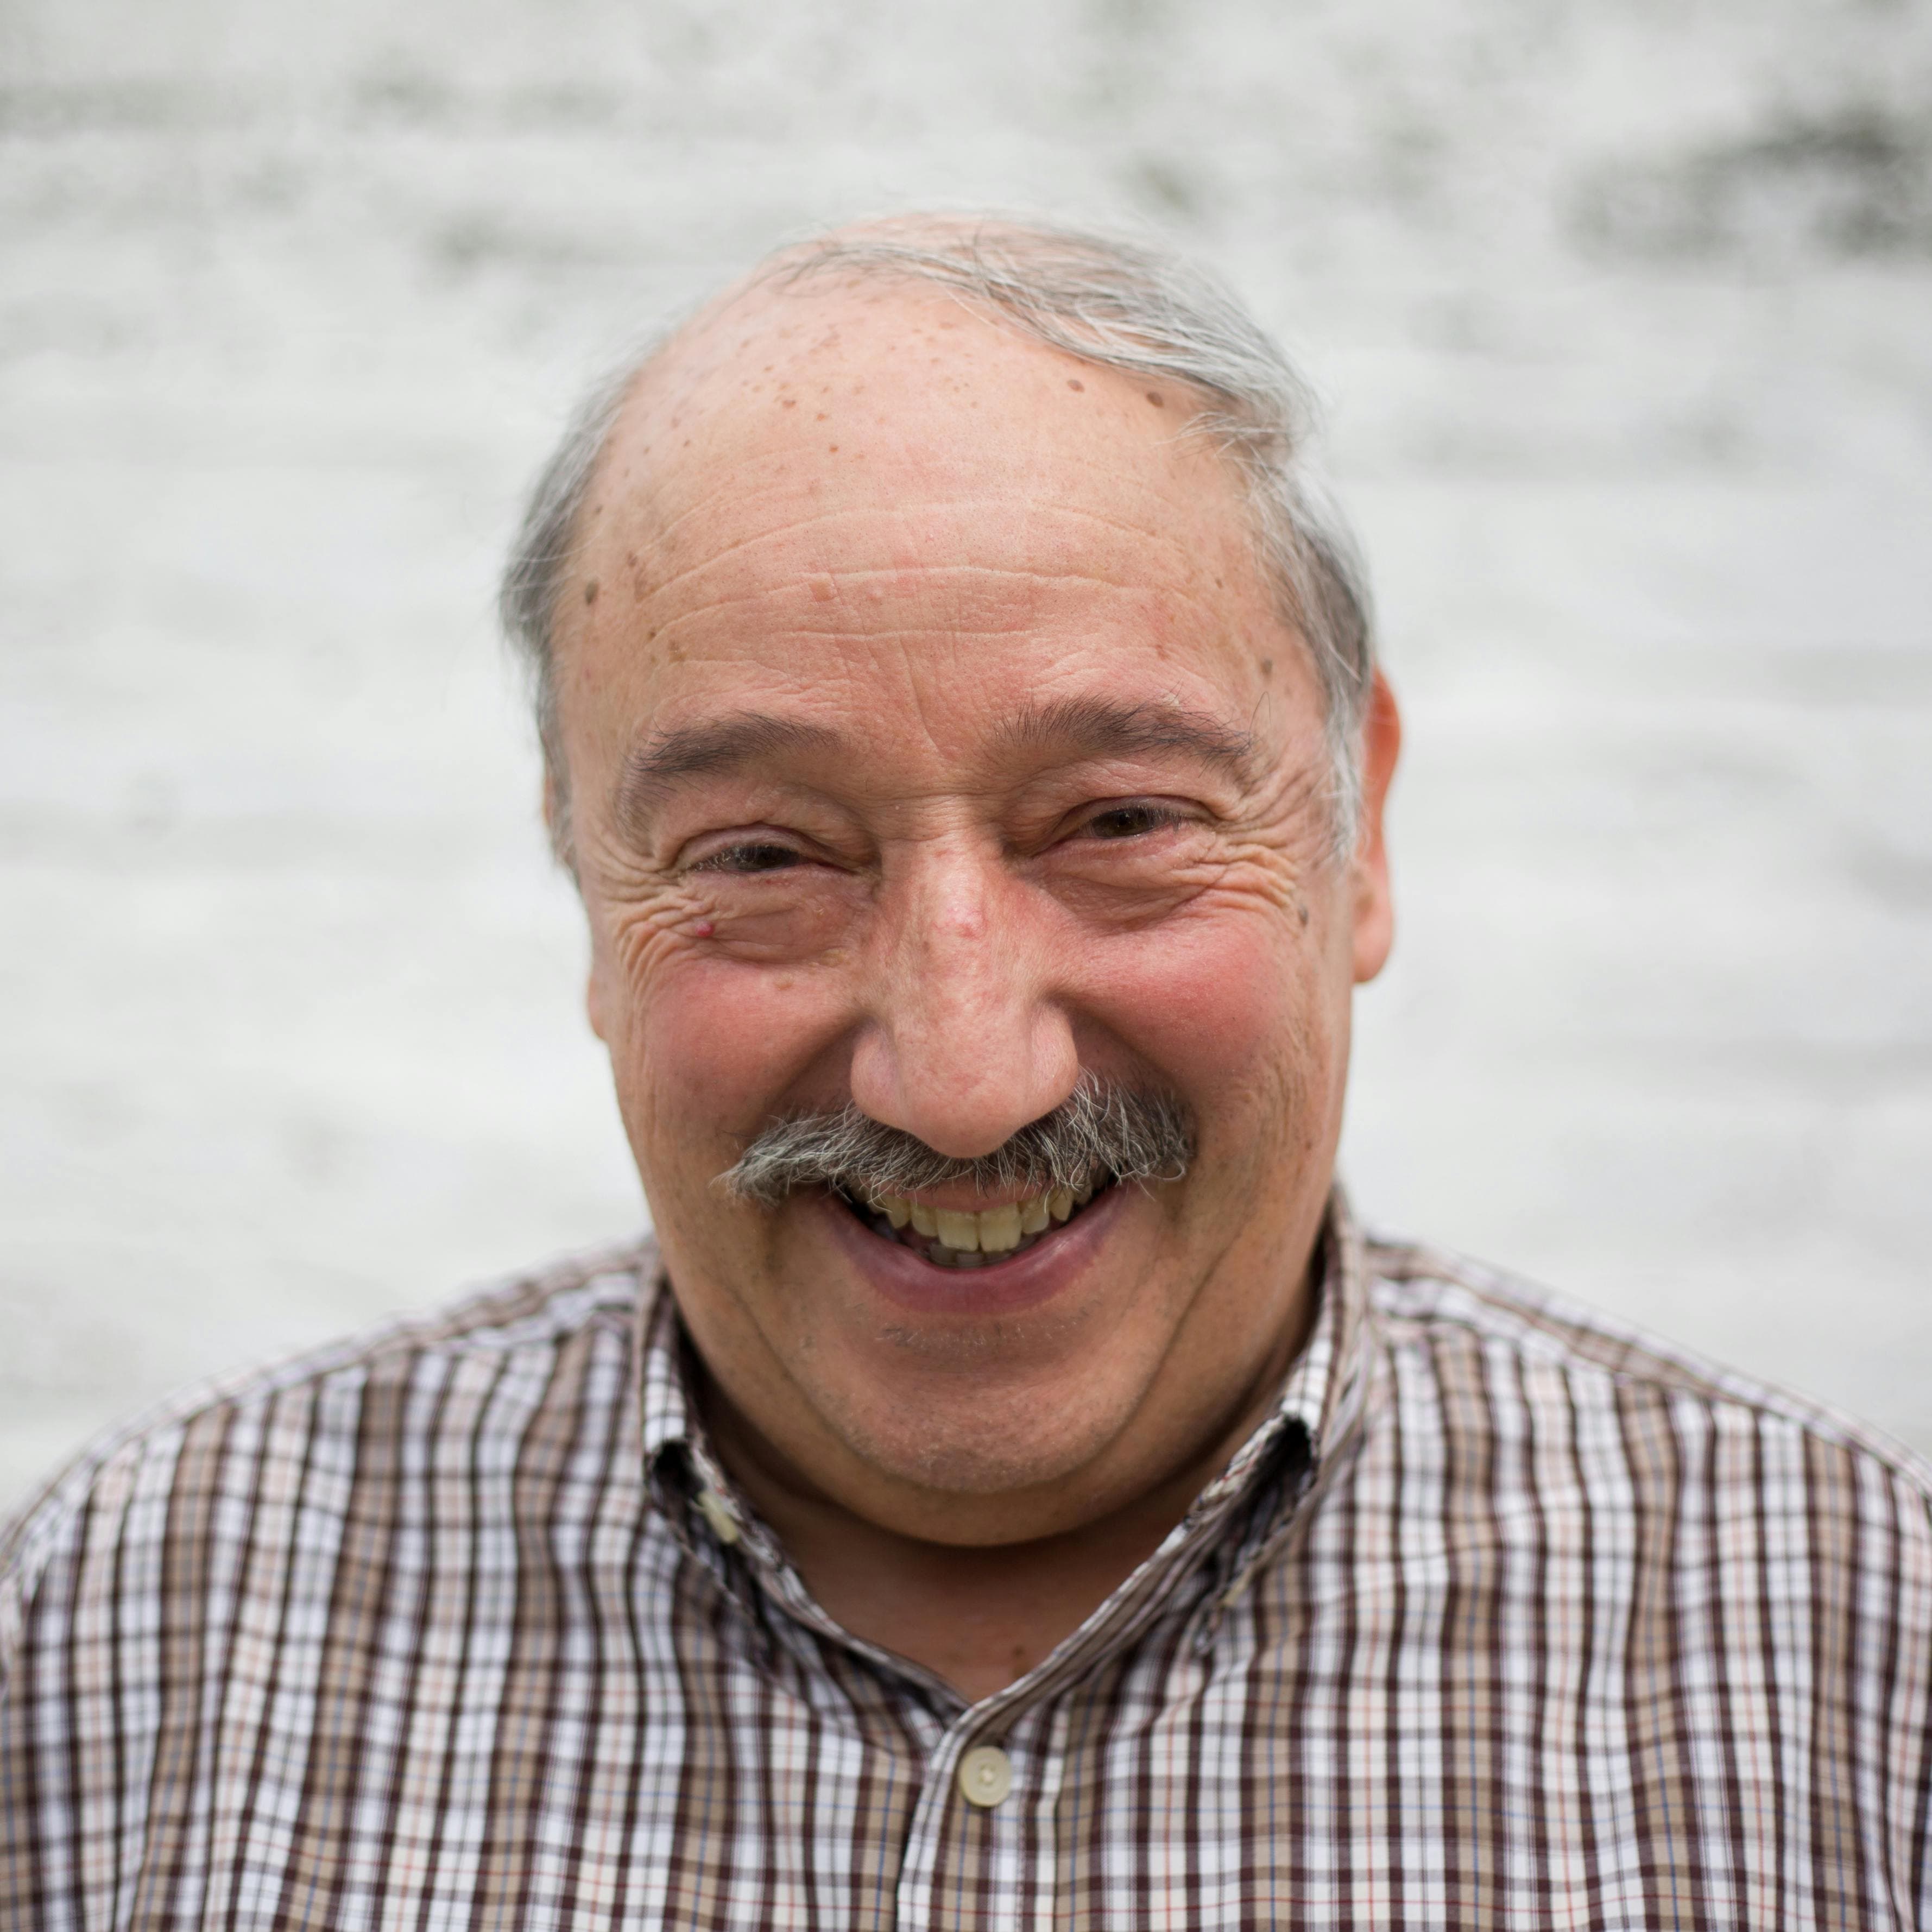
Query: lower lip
point(1039, 1273)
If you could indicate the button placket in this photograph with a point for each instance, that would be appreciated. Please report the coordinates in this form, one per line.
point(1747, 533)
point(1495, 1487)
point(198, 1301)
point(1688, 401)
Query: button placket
point(972, 1815)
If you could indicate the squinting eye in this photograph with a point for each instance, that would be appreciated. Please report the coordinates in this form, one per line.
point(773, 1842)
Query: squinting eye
point(1128, 821)
point(760, 858)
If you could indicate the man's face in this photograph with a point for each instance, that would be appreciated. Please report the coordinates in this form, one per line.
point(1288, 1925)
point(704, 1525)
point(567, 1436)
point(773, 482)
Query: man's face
point(933, 737)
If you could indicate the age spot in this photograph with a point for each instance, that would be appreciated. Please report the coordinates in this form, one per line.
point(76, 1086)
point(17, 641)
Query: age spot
point(1074, 383)
point(1155, 396)
point(590, 591)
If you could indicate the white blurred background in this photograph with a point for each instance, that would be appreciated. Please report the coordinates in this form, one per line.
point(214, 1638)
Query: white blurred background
point(1623, 312)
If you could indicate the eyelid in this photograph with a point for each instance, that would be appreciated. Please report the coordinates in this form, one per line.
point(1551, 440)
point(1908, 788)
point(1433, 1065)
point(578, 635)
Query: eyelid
point(1164, 810)
point(721, 845)
point(713, 846)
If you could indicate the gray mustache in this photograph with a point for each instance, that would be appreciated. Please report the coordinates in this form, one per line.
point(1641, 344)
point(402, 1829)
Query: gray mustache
point(1100, 1132)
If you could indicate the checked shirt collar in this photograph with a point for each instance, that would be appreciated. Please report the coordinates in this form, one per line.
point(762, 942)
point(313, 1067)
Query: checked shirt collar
point(1233, 1527)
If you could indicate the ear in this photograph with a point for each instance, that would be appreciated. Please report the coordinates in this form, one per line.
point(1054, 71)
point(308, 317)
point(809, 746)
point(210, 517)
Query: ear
point(556, 818)
point(1374, 911)
point(593, 1003)
point(556, 823)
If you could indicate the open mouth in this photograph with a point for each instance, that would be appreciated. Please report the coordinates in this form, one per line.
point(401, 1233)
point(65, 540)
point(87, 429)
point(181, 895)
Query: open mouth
point(953, 1239)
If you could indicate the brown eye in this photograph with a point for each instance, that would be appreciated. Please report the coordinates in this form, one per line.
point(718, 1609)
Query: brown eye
point(752, 858)
point(1128, 821)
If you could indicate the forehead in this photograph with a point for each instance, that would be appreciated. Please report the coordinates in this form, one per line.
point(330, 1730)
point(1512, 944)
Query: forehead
point(871, 481)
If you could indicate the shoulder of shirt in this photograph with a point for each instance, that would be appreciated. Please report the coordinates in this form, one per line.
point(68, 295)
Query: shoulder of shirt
point(1412, 1284)
point(537, 1310)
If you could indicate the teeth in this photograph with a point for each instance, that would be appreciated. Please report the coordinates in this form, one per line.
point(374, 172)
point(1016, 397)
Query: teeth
point(999, 1229)
point(965, 1240)
point(959, 1231)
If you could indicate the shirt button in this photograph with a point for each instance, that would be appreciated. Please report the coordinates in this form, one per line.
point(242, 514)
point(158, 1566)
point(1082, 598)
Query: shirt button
point(717, 1512)
point(986, 1775)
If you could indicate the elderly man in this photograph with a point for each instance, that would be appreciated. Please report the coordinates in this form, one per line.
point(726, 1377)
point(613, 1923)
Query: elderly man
point(1010, 1491)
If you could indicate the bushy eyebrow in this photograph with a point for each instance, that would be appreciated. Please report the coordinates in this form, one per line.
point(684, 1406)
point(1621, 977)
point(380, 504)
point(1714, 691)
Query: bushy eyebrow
point(1087, 727)
point(657, 767)
point(1095, 727)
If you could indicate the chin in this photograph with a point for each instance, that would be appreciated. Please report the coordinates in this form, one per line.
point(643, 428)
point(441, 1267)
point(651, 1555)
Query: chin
point(966, 1458)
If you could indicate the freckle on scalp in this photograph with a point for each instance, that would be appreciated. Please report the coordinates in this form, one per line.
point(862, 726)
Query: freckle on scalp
point(1155, 396)
point(590, 591)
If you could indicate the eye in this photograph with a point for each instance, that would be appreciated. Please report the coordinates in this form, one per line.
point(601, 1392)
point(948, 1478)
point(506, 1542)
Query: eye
point(1130, 821)
point(756, 856)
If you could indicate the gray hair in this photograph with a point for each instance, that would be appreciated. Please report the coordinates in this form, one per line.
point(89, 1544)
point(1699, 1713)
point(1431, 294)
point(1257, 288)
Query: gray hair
point(1115, 304)
point(1102, 1132)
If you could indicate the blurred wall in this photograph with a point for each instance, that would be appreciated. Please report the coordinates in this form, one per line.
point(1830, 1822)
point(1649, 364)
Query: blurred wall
point(1625, 314)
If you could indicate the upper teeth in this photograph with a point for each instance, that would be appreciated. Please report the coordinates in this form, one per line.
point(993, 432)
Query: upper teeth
point(992, 1230)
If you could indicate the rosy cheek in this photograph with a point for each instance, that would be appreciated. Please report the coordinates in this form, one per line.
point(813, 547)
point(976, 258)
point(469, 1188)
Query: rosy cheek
point(722, 1038)
point(1203, 1001)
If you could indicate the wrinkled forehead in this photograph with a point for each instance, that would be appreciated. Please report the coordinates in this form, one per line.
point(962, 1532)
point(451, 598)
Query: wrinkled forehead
point(836, 503)
point(837, 384)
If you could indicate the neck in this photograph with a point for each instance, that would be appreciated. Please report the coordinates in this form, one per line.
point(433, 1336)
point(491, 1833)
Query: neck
point(978, 1616)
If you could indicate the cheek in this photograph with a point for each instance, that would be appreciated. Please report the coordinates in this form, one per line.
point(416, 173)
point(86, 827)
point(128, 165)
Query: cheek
point(1224, 1007)
point(709, 1000)
point(781, 921)
point(719, 1041)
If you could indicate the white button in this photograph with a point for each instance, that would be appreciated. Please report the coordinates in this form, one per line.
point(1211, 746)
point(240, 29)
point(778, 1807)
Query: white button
point(717, 1512)
point(986, 1775)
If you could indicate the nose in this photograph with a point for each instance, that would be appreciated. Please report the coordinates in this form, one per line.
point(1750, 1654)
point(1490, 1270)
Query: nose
point(964, 1042)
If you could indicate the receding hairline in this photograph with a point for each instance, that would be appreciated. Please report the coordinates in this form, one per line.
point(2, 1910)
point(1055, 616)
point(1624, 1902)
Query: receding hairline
point(1113, 304)
point(676, 365)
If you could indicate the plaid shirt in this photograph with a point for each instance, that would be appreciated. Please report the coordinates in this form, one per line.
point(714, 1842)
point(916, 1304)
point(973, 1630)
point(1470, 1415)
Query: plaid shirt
point(1505, 1618)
